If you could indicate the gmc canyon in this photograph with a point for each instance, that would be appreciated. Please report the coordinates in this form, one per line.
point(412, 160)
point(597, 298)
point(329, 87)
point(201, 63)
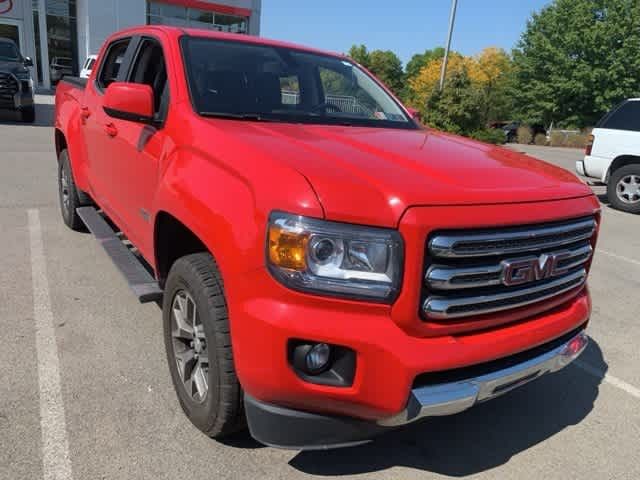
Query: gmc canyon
point(328, 268)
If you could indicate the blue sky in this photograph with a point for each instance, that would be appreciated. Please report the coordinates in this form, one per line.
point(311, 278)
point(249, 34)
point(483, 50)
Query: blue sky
point(404, 26)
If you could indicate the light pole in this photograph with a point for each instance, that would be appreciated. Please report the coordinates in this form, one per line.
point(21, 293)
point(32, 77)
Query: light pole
point(452, 20)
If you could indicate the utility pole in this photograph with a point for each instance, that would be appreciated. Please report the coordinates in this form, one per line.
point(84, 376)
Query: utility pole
point(452, 20)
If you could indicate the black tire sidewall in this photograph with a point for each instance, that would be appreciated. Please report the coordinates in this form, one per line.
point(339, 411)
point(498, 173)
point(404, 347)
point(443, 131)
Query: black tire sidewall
point(612, 186)
point(202, 415)
point(65, 166)
point(28, 115)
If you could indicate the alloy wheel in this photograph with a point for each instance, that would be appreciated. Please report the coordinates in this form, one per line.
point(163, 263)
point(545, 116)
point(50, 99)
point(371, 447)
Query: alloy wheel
point(628, 189)
point(64, 189)
point(189, 346)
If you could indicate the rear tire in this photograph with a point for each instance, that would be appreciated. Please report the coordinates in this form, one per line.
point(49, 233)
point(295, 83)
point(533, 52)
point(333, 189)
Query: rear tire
point(28, 115)
point(198, 345)
point(623, 189)
point(68, 194)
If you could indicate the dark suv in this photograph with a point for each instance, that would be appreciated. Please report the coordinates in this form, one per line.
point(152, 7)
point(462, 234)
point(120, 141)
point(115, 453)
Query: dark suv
point(16, 84)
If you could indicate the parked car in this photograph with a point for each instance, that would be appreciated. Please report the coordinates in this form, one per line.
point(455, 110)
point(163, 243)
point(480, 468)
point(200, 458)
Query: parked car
point(60, 67)
point(88, 66)
point(325, 275)
point(16, 84)
point(613, 155)
point(510, 129)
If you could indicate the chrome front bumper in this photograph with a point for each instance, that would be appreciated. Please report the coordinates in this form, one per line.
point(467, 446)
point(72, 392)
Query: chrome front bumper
point(450, 398)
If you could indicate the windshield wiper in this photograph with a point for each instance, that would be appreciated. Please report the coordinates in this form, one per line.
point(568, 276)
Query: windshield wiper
point(258, 117)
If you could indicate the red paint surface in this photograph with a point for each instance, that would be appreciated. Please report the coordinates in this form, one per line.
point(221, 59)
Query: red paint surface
point(222, 178)
point(132, 98)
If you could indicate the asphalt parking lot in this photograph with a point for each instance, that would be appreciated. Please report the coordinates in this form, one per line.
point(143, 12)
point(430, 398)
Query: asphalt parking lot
point(86, 394)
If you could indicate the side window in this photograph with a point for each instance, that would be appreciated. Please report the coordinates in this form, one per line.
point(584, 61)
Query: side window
point(112, 62)
point(149, 68)
point(627, 117)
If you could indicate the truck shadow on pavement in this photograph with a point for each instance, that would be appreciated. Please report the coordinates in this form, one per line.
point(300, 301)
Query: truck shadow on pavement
point(44, 117)
point(479, 439)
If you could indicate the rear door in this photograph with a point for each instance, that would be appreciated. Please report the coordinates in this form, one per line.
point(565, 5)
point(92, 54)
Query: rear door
point(616, 134)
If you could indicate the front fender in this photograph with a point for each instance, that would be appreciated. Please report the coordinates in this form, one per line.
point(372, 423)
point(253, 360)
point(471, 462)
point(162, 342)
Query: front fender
point(227, 207)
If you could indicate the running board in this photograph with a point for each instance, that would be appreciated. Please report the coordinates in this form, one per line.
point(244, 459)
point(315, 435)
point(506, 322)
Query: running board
point(140, 281)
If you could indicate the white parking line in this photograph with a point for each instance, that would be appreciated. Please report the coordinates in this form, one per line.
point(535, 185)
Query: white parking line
point(620, 257)
point(610, 379)
point(56, 463)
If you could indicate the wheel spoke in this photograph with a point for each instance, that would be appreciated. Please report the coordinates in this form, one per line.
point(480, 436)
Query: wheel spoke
point(199, 332)
point(200, 381)
point(186, 361)
point(191, 312)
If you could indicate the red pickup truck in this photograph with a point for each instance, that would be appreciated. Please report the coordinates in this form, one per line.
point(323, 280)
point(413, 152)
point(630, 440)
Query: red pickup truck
point(328, 268)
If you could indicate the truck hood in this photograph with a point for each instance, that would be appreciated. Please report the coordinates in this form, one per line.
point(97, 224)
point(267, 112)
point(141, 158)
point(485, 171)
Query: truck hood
point(12, 67)
point(372, 175)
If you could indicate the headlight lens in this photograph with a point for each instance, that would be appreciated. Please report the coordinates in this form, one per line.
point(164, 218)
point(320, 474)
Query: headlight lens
point(334, 258)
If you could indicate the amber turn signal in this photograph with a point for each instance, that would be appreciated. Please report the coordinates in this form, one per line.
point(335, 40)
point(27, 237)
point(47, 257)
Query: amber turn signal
point(287, 249)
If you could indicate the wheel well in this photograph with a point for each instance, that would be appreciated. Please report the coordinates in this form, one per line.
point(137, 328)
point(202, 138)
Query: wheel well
point(173, 240)
point(61, 142)
point(622, 161)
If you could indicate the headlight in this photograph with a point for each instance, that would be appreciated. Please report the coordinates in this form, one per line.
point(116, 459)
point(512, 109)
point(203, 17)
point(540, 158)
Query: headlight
point(331, 258)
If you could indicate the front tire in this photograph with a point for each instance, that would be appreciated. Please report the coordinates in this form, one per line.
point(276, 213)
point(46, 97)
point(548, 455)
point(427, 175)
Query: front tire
point(198, 345)
point(623, 189)
point(68, 194)
point(28, 115)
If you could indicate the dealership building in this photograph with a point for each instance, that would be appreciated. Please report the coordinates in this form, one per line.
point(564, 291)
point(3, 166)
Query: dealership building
point(60, 34)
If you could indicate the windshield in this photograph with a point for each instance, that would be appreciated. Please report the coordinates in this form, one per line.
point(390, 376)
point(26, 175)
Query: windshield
point(8, 51)
point(262, 82)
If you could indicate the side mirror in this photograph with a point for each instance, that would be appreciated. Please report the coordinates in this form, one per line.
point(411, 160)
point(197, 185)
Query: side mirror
point(129, 101)
point(28, 62)
point(415, 114)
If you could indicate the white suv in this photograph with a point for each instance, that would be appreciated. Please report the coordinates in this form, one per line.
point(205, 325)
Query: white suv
point(613, 155)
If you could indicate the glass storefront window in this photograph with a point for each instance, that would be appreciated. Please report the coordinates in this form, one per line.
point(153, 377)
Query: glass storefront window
point(166, 14)
point(62, 38)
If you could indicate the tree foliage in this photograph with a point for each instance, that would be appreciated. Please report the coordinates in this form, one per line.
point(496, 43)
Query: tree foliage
point(384, 64)
point(576, 59)
point(421, 60)
point(458, 107)
point(486, 77)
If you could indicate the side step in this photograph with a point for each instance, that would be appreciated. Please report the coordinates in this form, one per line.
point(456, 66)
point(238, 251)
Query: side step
point(139, 279)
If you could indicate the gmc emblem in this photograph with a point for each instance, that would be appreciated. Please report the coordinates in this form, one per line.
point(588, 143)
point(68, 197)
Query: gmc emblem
point(532, 269)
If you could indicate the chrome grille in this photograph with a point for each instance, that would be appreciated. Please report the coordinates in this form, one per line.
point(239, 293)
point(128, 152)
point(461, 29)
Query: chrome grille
point(8, 84)
point(466, 271)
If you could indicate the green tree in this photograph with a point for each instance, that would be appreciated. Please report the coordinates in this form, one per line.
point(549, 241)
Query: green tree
point(384, 64)
point(576, 59)
point(360, 54)
point(387, 67)
point(421, 60)
point(458, 108)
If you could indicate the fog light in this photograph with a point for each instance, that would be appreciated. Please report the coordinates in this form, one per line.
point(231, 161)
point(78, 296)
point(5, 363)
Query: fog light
point(318, 357)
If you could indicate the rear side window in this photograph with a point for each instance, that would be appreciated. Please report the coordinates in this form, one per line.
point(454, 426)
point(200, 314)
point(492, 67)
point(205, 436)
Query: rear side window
point(625, 117)
point(112, 62)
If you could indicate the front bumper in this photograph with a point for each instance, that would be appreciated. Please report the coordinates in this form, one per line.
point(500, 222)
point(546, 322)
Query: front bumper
point(23, 98)
point(294, 429)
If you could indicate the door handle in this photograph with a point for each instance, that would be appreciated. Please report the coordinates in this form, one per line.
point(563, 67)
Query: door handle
point(85, 113)
point(111, 129)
